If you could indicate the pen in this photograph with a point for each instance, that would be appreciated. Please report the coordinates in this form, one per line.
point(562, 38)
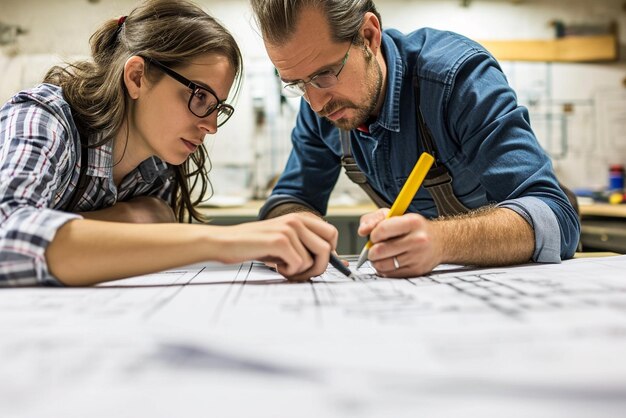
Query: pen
point(405, 197)
point(338, 264)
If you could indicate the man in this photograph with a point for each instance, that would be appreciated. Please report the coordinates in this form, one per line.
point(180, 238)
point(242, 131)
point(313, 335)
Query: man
point(398, 96)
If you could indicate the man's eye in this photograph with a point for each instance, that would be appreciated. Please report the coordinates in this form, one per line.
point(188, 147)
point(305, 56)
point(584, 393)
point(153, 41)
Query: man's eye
point(325, 74)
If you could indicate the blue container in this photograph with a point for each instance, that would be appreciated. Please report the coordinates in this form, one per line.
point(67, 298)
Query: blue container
point(616, 178)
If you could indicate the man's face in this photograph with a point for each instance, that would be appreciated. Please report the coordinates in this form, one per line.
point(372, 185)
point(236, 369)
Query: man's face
point(349, 113)
point(311, 52)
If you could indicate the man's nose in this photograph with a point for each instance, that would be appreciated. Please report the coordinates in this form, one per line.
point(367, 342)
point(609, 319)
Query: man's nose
point(317, 98)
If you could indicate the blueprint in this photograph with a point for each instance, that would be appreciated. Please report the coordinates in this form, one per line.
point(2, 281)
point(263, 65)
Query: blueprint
point(216, 340)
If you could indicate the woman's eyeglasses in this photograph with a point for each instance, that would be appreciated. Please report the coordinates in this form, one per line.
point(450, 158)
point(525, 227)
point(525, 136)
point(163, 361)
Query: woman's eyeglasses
point(203, 101)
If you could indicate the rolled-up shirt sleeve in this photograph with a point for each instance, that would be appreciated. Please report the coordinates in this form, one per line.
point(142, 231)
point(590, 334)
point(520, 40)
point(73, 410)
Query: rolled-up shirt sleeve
point(503, 152)
point(280, 199)
point(544, 222)
point(23, 244)
point(35, 157)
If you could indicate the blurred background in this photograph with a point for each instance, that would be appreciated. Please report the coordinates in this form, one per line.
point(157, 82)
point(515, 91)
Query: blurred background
point(564, 58)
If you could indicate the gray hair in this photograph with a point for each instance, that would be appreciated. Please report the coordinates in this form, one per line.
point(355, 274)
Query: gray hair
point(277, 19)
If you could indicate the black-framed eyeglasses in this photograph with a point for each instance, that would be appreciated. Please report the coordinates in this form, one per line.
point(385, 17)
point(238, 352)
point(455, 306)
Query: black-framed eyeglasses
point(324, 80)
point(203, 101)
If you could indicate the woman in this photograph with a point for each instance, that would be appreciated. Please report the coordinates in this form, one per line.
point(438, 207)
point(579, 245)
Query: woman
point(94, 158)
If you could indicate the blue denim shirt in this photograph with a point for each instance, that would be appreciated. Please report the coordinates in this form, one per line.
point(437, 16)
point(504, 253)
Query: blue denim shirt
point(482, 135)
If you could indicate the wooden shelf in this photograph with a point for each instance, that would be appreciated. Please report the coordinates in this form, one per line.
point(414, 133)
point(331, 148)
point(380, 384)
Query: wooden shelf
point(568, 49)
point(603, 209)
point(603, 227)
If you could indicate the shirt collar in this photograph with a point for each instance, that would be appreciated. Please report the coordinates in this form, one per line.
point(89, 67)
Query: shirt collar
point(101, 163)
point(100, 158)
point(389, 117)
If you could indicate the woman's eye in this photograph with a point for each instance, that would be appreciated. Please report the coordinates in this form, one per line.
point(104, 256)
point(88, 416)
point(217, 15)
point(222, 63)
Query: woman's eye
point(200, 96)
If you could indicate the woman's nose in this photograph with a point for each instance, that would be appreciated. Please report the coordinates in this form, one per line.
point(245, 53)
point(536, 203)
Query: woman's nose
point(209, 123)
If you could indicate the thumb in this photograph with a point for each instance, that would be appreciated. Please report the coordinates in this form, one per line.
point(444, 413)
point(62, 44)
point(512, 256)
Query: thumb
point(369, 221)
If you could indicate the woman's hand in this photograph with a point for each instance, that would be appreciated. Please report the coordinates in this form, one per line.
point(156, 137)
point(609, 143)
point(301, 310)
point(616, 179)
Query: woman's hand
point(299, 245)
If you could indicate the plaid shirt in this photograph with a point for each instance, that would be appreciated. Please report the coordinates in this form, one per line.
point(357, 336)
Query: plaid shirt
point(39, 169)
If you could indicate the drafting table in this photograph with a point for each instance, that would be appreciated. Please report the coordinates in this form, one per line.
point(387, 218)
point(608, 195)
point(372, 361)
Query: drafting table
point(237, 341)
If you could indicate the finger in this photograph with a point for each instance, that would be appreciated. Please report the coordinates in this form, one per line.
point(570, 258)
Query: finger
point(343, 260)
point(284, 248)
point(302, 258)
point(270, 262)
point(390, 240)
point(412, 253)
point(319, 238)
point(401, 273)
point(319, 249)
point(403, 266)
point(323, 229)
point(414, 242)
point(397, 226)
point(310, 252)
point(387, 265)
point(416, 270)
point(370, 220)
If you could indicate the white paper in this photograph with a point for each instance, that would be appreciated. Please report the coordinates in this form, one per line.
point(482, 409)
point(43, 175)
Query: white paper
point(216, 340)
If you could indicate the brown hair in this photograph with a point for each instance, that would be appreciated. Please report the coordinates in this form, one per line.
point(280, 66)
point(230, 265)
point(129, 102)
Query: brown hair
point(173, 32)
point(277, 19)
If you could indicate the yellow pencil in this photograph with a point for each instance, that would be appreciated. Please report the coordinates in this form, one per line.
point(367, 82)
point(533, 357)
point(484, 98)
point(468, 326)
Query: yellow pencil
point(405, 197)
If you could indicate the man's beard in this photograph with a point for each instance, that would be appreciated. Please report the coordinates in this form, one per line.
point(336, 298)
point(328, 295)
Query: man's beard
point(362, 114)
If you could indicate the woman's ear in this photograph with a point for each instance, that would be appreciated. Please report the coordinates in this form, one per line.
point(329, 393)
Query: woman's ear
point(134, 76)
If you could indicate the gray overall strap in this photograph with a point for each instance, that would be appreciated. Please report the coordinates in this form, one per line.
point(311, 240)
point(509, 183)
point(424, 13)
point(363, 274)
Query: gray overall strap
point(438, 181)
point(354, 172)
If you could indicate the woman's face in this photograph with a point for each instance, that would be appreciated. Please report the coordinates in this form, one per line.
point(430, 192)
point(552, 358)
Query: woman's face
point(161, 122)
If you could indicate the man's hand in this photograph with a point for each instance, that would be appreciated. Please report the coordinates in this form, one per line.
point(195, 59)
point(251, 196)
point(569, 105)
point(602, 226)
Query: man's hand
point(142, 209)
point(408, 239)
point(410, 245)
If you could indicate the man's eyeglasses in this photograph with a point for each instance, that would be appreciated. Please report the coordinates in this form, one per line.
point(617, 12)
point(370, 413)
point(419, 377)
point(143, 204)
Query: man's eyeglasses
point(324, 80)
point(203, 101)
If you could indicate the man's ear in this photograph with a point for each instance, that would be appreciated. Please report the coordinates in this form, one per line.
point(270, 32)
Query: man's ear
point(372, 32)
point(134, 76)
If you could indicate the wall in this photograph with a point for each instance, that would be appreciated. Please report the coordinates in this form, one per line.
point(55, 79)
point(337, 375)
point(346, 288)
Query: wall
point(577, 110)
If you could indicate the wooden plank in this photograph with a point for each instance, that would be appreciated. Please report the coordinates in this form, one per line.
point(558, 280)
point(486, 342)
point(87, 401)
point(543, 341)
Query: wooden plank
point(603, 209)
point(568, 49)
